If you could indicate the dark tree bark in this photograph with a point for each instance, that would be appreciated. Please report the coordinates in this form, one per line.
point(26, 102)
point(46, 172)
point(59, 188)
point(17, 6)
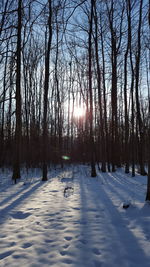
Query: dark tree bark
point(9, 115)
point(138, 108)
point(3, 113)
point(125, 93)
point(92, 150)
point(101, 127)
point(16, 163)
point(148, 178)
point(58, 99)
point(104, 97)
point(132, 89)
point(46, 87)
point(114, 54)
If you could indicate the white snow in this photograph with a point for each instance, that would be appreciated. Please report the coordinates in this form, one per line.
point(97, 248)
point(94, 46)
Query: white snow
point(74, 220)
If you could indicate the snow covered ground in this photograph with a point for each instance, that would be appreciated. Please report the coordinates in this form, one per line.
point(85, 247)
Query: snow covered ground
point(74, 220)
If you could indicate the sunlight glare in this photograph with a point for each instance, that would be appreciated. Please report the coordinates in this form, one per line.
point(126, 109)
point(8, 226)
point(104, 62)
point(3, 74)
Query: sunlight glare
point(79, 112)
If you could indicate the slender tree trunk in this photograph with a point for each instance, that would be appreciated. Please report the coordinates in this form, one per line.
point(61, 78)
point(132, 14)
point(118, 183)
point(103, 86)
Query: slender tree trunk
point(69, 110)
point(138, 109)
point(46, 87)
point(3, 113)
point(59, 112)
point(126, 111)
point(9, 120)
point(103, 152)
point(132, 88)
point(26, 89)
point(114, 125)
point(148, 178)
point(17, 148)
point(93, 169)
point(104, 97)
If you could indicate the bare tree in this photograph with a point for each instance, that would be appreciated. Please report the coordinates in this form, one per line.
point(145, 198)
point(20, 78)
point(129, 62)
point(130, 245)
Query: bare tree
point(46, 87)
point(92, 150)
point(16, 164)
point(99, 83)
point(138, 109)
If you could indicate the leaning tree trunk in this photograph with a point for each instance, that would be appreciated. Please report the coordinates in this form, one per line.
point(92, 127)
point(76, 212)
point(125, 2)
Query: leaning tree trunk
point(46, 86)
point(16, 163)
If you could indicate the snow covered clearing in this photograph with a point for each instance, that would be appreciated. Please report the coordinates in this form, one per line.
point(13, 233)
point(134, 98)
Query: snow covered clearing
point(74, 220)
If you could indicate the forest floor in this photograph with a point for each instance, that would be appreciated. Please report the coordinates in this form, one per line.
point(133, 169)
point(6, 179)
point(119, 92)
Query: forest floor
point(74, 220)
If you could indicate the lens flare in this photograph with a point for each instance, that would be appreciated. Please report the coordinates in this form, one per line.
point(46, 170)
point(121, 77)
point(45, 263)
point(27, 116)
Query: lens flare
point(65, 157)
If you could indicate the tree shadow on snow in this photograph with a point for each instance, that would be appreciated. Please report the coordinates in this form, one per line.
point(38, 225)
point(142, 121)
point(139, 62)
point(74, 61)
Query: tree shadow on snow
point(24, 195)
point(113, 234)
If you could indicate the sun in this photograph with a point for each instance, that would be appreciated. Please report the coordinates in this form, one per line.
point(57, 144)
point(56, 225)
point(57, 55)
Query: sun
point(79, 112)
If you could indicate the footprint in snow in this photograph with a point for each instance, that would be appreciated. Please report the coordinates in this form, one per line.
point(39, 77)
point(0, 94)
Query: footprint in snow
point(26, 245)
point(76, 208)
point(66, 246)
point(49, 240)
point(21, 236)
point(3, 236)
point(20, 215)
point(12, 244)
point(96, 251)
point(63, 252)
point(68, 238)
point(17, 256)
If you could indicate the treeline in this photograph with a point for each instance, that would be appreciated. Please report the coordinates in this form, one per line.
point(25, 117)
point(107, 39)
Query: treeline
point(56, 56)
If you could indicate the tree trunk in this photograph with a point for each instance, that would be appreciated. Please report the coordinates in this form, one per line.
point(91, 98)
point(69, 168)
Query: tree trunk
point(93, 169)
point(104, 97)
point(16, 163)
point(126, 111)
point(3, 113)
point(103, 152)
point(46, 86)
point(148, 178)
point(114, 127)
point(138, 109)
